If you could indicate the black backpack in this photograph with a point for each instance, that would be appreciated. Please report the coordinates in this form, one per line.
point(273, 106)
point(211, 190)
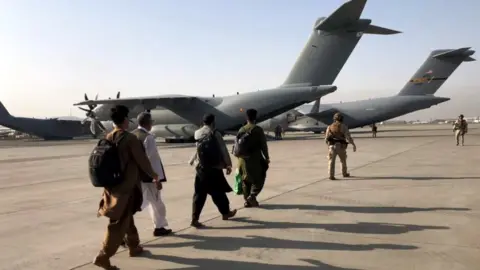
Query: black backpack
point(243, 146)
point(104, 164)
point(208, 151)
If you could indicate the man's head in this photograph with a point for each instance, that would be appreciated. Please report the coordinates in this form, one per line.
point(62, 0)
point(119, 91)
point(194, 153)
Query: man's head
point(338, 117)
point(460, 116)
point(251, 115)
point(144, 120)
point(119, 116)
point(209, 120)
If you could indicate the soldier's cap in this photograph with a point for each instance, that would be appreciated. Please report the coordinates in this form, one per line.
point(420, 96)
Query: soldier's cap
point(337, 116)
point(144, 118)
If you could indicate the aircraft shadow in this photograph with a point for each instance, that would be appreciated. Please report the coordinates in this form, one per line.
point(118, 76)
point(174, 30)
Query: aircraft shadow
point(359, 227)
point(298, 138)
point(408, 136)
point(419, 178)
point(358, 209)
point(211, 264)
point(229, 243)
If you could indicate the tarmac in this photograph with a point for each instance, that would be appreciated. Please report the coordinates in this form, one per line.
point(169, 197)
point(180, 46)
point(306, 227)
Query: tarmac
point(412, 203)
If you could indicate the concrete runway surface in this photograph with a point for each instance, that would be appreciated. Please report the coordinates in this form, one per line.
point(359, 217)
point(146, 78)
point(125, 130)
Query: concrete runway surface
point(412, 204)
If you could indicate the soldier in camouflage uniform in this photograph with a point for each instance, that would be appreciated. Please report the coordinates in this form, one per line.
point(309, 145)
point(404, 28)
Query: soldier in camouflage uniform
point(337, 138)
point(460, 128)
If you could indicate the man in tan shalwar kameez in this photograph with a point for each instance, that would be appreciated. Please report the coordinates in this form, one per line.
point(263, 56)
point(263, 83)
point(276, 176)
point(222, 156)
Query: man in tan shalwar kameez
point(121, 202)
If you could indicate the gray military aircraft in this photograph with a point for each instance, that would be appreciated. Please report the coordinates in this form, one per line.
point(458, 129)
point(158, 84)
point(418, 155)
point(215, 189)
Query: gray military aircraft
point(331, 42)
point(48, 129)
point(417, 94)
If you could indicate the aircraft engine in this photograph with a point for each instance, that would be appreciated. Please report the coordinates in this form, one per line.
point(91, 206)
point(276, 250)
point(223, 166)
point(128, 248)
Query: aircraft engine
point(290, 117)
point(96, 126)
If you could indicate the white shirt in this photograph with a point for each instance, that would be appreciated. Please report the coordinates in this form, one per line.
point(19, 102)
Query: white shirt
point(152, 154)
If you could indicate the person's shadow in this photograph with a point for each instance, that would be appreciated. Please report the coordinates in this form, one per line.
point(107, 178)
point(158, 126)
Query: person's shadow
point(221, 243)
point(359, 227)
point(359, 209)
point(214, 264)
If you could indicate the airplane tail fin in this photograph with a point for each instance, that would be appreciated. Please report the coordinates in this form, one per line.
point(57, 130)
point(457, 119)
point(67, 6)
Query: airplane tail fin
point(3, 111)
point(436, 69)
point(4, 115)
point(331, 43)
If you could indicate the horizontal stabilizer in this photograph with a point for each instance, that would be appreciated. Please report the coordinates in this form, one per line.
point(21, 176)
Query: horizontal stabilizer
point(377, 30)
point(455, 53)
point(348, 12)
point(347, 17)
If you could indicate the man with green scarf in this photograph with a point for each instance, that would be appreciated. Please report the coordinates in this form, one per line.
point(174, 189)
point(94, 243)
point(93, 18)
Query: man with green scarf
point(253, 168)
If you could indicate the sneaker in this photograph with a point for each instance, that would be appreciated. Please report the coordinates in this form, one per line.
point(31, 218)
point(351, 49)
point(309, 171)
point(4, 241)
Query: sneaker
point(229, 215)
point(196, 224)
point(161, 232)
point(253, 201)
point(102, 261)
point(134, 252)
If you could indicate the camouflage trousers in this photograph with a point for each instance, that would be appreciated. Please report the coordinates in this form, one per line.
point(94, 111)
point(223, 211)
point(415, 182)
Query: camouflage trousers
point(335, 150)
point(459, 135)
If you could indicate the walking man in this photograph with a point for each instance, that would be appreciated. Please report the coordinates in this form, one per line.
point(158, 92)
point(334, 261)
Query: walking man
point(374, 130)
point(460, 128)
point(337, 138)
point(253, 167)
point(212, 157)
point(121, 202)
point(152, 197)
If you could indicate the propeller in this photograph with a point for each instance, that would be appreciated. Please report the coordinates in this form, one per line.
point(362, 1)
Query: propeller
point(94, 122)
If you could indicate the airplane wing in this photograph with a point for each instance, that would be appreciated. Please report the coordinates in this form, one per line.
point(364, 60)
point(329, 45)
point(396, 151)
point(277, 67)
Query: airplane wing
point(325, 116)
point(186, 107)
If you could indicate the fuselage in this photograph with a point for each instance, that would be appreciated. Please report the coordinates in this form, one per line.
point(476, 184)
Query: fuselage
point(366, 112)
point(48, 129)
point(229, 110)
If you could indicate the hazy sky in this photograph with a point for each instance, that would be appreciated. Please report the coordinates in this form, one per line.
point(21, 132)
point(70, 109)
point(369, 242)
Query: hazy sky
point(54, 51)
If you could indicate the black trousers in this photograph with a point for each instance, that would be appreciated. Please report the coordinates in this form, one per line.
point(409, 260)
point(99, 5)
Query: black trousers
point(210, 182)
point(252, 189)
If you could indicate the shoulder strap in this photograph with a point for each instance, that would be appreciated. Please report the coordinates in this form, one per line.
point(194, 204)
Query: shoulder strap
point(117, 139)
point(250, 129)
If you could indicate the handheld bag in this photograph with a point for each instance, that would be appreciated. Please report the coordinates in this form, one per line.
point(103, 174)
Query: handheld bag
point(237, 188)
point(104, 164)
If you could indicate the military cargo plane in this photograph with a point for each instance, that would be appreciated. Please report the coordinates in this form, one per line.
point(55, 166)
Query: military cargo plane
point(331, 43)
point(417, 94)
point(48, 129)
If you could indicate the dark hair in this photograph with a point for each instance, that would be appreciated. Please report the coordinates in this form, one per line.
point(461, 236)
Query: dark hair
point(208, 119)
point(118, 114)
point(144, 119)
point(251, 115)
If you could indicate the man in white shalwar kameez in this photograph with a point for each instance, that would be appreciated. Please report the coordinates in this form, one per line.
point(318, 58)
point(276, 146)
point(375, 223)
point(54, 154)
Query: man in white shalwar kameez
point(152, 197)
